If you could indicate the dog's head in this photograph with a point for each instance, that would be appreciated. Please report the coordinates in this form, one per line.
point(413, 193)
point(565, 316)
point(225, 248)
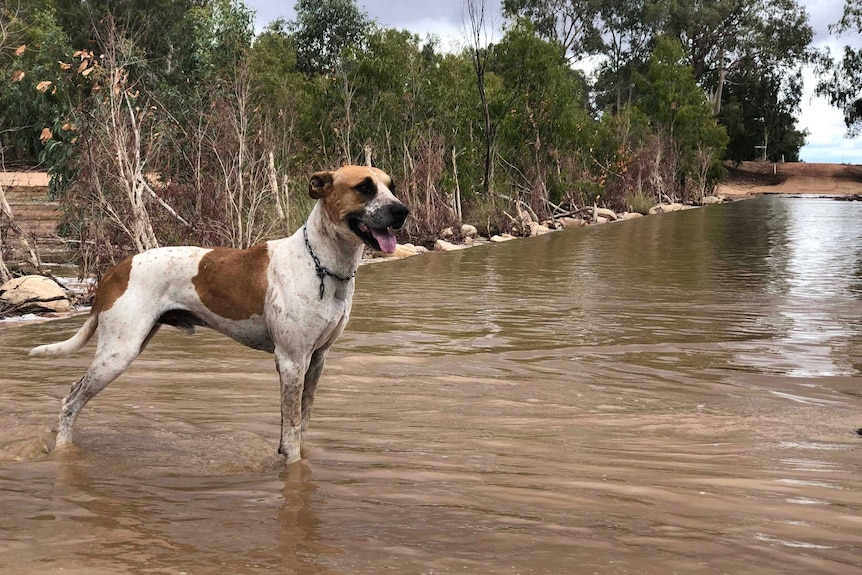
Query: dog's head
point(361, 197)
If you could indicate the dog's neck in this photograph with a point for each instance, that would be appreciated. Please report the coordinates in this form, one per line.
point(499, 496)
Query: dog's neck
point(335, 245)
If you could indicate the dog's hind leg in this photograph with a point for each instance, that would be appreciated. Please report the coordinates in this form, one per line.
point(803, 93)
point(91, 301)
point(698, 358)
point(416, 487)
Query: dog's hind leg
point(113, 356)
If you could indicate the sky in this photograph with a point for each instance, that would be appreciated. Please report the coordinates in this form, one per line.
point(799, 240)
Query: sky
point(444, 19)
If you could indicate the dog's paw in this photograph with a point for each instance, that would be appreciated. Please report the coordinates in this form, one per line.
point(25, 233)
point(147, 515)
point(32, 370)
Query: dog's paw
point(291, 454)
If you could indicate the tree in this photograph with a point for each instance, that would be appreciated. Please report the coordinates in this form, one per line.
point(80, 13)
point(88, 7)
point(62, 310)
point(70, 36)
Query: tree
point(541, 133)
point(841, 80)
point(160, 28)
point(122, 136)
point(680, 112)
point(324, 29)
point(33, 93)
point(721, 37)
point(478, 28)
point(572, 25)
point(628, 31)
point(760, 119)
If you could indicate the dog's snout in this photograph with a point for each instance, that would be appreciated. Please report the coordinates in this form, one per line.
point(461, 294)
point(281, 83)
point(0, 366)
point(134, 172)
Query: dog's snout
point(398, 212)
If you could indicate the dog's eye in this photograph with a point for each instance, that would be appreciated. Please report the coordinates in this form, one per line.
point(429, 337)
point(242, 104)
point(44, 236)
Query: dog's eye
point(367, 187)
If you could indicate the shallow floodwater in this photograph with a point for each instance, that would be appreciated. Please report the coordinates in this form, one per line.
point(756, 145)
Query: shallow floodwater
point(677, 394)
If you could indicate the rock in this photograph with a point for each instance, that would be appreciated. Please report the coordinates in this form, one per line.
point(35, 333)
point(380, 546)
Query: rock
point(447, 233)
point(502, 238)
point(537, 229)
point(444, 246)
point(35, 293)
point(631, 215)
point(665, 208)
point(405, 250)
point(605, 213)
point(469, 231)
point(711, 200)
point(568, 223)
point(601, 220)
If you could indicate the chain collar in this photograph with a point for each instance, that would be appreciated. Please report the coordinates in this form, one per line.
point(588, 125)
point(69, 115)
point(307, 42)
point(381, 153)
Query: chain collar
point(322, 272)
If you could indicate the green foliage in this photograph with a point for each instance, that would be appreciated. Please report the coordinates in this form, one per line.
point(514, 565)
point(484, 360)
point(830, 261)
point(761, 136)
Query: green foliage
point(678, 109)
point(639, 201)
point(221, 34)
point(34, 90)
point(757, 114)
point(841, 78)
point(570, 25)
point(324, 29)
point(541, 131)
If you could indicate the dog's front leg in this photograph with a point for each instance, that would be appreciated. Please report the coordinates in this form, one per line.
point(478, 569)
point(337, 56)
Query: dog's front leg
point(291, 372)
point(315, 368)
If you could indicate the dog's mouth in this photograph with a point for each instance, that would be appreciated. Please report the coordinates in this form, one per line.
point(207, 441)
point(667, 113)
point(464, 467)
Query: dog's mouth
point(380, 239)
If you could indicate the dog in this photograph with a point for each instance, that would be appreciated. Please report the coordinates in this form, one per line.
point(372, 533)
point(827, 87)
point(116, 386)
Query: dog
point(291, 297)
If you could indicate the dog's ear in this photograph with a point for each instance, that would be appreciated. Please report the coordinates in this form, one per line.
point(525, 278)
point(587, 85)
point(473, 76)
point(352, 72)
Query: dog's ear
point(321, 183)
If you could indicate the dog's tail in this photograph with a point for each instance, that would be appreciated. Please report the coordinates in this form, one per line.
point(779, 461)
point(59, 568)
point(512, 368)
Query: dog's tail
point(72, 344)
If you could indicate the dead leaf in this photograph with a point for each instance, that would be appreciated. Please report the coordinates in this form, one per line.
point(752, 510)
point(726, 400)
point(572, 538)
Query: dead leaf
point(64, 66)
point(21, 49)
point(46, 135)
point(44, 85)
point(82, 66)
point(87, 72)
point(18, 75)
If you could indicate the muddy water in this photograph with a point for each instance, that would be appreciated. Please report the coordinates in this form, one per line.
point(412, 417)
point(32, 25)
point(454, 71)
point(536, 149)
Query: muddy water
point(677, 394)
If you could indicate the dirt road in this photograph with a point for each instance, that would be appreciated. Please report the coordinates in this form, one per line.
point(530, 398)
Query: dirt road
point(755, 178)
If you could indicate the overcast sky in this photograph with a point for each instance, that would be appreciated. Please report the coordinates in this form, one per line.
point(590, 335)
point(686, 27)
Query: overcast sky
point(443, 18)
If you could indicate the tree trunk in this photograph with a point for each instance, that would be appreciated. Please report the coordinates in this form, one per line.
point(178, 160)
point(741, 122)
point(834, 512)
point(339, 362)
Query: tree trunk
point(457, 198)
point(722, 77)
point(476, 14)
point(273, 182)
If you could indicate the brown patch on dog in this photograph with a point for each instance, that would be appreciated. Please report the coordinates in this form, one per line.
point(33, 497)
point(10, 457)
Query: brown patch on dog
point(113, 285)
point(232, 283)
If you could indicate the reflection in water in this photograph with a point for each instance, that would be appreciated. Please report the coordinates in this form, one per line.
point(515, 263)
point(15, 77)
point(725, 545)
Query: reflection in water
point(821, 296)
point(674, 394)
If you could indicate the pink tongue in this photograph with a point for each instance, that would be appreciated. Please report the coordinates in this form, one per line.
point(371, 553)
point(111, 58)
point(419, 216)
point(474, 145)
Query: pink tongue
point(385, 239)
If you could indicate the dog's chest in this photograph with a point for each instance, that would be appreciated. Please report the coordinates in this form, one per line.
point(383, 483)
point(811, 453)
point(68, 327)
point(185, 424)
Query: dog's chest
point(253, 332)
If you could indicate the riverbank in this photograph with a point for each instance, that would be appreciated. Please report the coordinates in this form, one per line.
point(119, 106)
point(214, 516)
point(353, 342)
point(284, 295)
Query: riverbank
point(28, 195)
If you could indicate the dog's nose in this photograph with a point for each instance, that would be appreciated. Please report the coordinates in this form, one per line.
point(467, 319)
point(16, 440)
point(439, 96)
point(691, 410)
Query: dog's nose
point(399, 213)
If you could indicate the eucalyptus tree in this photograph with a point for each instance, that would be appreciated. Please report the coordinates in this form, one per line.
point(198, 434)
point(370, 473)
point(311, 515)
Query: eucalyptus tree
point(543, 116)
point(572, 25)
point(841, 80)
point(680, 114)
point(324, 29)
point(628, 29)
point(760, 117)
point(722, 37)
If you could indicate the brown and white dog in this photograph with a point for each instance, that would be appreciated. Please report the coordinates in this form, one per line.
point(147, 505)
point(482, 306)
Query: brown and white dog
point(291, 296)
